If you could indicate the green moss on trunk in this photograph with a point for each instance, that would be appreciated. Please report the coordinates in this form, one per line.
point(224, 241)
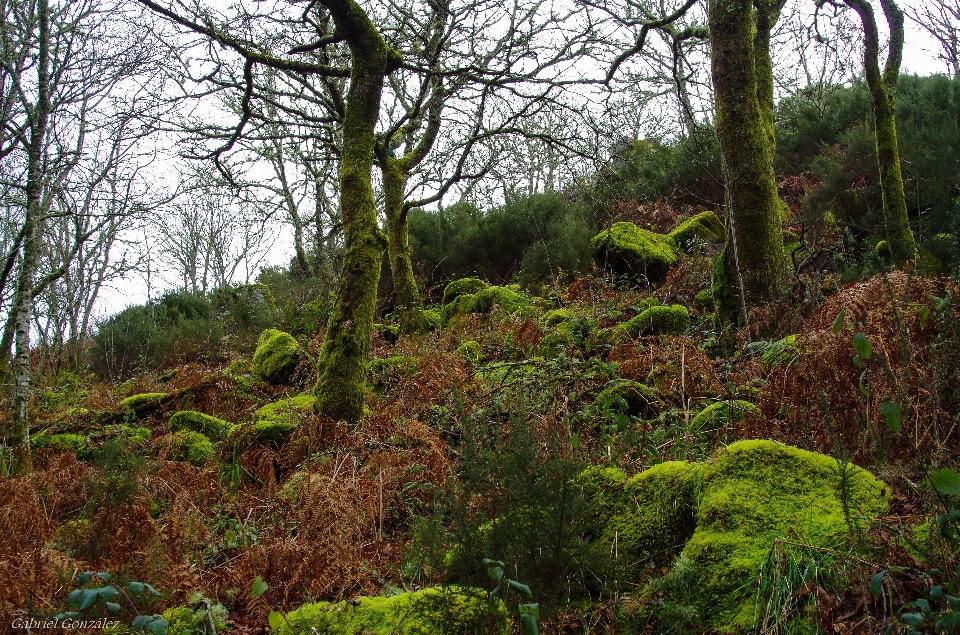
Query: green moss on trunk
point(343, 357)
point(757, 263)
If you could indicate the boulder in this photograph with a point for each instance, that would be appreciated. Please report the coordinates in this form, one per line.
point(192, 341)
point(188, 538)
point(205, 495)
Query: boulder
point(705, 226)
point(660, 320)
point(626, 250)
point(276, 357)
point(214, 428)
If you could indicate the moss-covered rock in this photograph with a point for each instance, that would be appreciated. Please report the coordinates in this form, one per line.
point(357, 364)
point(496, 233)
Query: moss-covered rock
point(389, 332)
point(434, 318)
point(276, 357)
point(629, 397)
point(144, 402)
point(65, 442)
point(463, 286)
point(190, 447)
point(705, 226)
point(484, 300)
point(610, 336)
point(752, 494)
point(433, 611)
point(719, 414)
point(660, 320)
point(626, 250)
point(293, 410)
point(556, 316)
point(214, 428)
point(470, 351)
point(274, 432)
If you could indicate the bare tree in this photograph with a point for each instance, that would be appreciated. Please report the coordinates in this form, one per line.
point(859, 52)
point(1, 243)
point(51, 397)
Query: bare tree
point(941, 19)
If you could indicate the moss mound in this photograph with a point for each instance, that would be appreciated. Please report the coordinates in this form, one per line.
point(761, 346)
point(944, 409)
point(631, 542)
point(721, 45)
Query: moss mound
point(212, 427)
point(275, 422)
point(719, 414)
point(433, 611)
point(630, 398)
point(463, 286)
point(184, 620)
point(626, 250)
point(470, 351)
point(484, 300)
point(276, 357)
point(190, 447)
point(65, 442)
point(705, 226)
point(144, 402)
point(752, 494)
point(660, 320)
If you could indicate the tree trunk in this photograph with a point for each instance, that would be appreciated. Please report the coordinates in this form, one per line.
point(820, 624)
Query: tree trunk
point(754, 264)
point(406, 296)
point(883, 90)
point(23, 306)
point(343, 358)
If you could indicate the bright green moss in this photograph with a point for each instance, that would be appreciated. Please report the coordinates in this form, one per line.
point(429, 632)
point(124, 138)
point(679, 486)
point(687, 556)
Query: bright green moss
point(627, 250)
point(276, 357)
point(273, 432)
point(183, 620)
point(433, 611)
point(470, 351)
point(484, 300)
point(292, 410)
point(191, 447)
point(753, 493)
point(705, 226)
point(141, 403)
point(434, 318)
point(610, 336)
point(389, 332)
point(629, 397)
point(719, 414)
point(212, 427)
point(65, 442)
point(660, 320)
point(556, 316)
point(463, 286)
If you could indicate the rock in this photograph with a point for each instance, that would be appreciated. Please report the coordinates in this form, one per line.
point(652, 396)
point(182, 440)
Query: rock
point(434, 610)
point(484, 300)
point(191, 447)
point(705, 226)
point(752, 494)
point(389, 332)
point(144, 402)
point(626, 250)
point(275, 422)
point(215, 429)
point(463, 286)
point(719, 414)
point(660, 320)
point(276, 357)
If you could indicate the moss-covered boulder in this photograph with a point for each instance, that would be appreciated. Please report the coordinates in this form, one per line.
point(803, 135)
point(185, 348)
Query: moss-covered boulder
point(463, 286)
point(190, 447)
point(275, 422)
point(389, 332)
point(483, 301)
point(276, 357)
point(719, 414)
point(630, 398)
point(752, 494)
point(556, 316)
point(705, 226)
point(470, 351)
point(143, 403)
point(648, 518)
point(626, 250)
point(214, 428)
point(660, 320)
point(434, 611)
point(75, 444)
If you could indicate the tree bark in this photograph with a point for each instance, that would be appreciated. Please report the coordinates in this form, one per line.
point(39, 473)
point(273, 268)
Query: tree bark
point(343, 358)
point(883, 88)
point(754, 265)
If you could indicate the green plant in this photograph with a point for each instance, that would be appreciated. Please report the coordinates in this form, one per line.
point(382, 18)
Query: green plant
point(529, 612)
point(94, 598)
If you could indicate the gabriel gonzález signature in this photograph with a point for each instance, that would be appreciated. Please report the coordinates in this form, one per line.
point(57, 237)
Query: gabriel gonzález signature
point(66, 622)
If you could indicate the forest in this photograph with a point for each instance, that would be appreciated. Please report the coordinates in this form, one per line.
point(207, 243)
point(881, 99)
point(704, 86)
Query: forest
point(455, 317)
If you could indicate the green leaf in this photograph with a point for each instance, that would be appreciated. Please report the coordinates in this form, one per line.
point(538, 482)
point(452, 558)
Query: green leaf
point(158, 626)
point(107, 592)
point(838, 323)
point(949, 623)
point(522, 589)
point(891, 414)
point(152, 591)
point(496, 573)
point(104, 576)
point(492, 600)
point(275, 619)
point(136, 588)
point(876, 583)
point(923, 605)
point(936, 593)
point(923, 313)
point(84, 577)
point(259, 587)
point(74, 596)
point(528, 618)
point(113, 607)
point(945, 481)
point(863, 345)
point(954, 602)
point(141, 620)
point(913, 619)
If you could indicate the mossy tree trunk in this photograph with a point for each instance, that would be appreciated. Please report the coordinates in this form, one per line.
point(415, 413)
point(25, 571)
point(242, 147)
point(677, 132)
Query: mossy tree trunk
point(343, 358)
point(883, 88)
point(754, 264)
